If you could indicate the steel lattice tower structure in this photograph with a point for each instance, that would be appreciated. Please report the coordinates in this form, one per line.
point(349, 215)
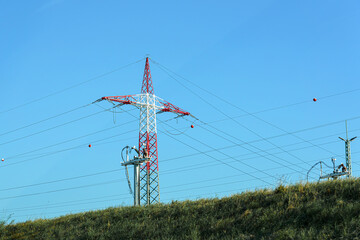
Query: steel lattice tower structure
point(348, 150)
point(149, 105)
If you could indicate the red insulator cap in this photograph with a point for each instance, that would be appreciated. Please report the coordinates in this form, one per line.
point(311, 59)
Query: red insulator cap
point(192, 126)
point(314, 99)
point(89, 145)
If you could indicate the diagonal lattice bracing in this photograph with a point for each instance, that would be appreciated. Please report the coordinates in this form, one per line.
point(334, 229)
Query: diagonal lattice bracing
point(149, 105)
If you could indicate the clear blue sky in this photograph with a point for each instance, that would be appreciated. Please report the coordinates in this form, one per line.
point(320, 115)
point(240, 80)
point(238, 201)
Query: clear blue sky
point(256, 55)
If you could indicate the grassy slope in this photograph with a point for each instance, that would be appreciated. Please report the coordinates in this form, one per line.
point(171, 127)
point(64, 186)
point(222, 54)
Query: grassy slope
point(329, 210)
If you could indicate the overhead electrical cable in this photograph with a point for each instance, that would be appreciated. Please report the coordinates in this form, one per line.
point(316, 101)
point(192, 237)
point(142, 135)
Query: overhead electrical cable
point(73, 86)
point(269, 149)
point(73, 139)
point(229, 146)
point(196, 166)
point(67, 205)
point(264, 110)
point(60, 180)
point(225, 163)
point(55, 152)
point(66, 202)
point(254, 152)
point(167, 187)
point(277, 136)
point(171, 171)
point(248, 113)
point(44, 120)
point(223, 113)
point(231, 166)
point(27, 208)
point(261, 119)
point(40, 155)
point(61, 190)
point(48, 129)
point(84, 200)
point(237, 189)
point(297, 131)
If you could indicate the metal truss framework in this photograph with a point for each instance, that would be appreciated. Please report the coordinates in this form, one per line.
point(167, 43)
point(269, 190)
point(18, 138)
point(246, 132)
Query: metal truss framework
point(149, 105)
point(348, 150)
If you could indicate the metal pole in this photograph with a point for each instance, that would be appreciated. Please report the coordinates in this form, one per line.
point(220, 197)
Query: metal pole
point(348, 156)
point(320, 169)
point(136, 185)
point(348, 152)
point(148, 186)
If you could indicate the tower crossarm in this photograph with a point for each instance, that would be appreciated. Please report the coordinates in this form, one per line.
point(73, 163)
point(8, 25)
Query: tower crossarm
point(126, 99)
point(137, 100)
point(165, 106)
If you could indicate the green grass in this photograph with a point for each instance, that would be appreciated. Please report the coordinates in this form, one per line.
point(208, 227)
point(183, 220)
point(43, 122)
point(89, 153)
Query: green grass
point(329, 210)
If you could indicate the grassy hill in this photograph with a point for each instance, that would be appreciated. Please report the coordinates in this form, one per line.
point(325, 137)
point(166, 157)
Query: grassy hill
point(328, 210)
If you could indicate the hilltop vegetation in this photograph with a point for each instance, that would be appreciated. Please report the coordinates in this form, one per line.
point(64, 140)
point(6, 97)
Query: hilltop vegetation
point(328, 210)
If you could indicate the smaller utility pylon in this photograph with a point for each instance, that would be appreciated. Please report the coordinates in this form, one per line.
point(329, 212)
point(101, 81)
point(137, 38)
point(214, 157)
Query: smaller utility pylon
point(137, 161)
point(348, 150)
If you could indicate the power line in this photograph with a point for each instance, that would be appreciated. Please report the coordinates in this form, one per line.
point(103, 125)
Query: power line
point(76, 138)
point(264, 110)
point(48, 129)
point(258, 140)
point(219, 110)
point(59, 151)
point(181, 190)
point(125, 198)
point(311, 128)
point(207, 180)
point(281, 135)
point(258, 153)
point(235, 145)
point(44, 120)
point(248, 113)
point(276, 136)
point(304, 140)
point(193, 154)
point(297, 131)
point(172, 186)
point(60, 190)
point(163, 160)
point(164, 192)
point(66, 202)
point(67, 205)
point(73, 86)
point(82, 201)
point(115, 170)
point(267, 122)
point(191, 196)
point(231, 166)
point(208, 154)
point(80, 176)
point(61, 180)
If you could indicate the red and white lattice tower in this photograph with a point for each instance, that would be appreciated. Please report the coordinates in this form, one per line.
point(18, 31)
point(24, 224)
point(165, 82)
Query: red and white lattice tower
point(149, 106)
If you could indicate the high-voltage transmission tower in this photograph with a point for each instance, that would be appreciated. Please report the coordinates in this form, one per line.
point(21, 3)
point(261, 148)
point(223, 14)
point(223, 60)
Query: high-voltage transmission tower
point(149, 106)
point(340, 170)
point(348, 150)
